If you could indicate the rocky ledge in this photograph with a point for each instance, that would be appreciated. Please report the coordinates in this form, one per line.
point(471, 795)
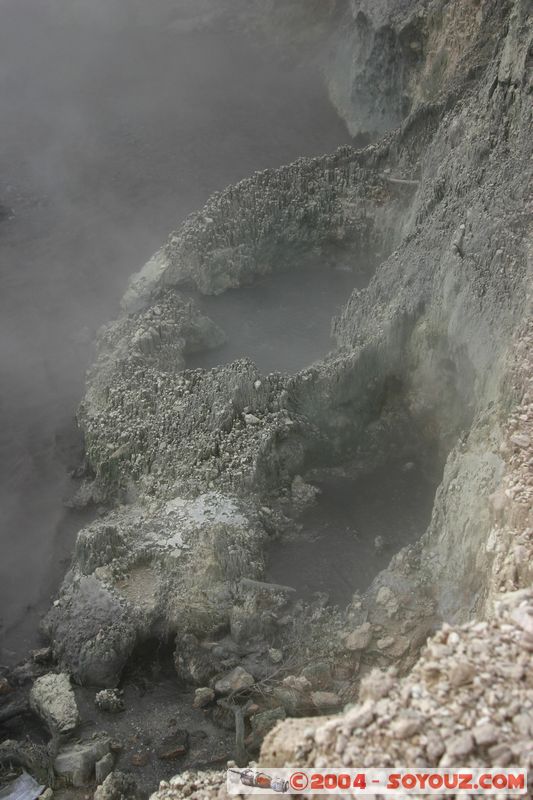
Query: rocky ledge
point(193, 472)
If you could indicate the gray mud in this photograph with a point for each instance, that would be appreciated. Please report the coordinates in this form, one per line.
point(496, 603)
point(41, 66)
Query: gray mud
point(155, 707)
point(280, 322)
point(352, 530)
point(115, 126)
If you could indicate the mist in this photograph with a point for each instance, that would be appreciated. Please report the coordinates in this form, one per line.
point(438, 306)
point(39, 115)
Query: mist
point(117, 121)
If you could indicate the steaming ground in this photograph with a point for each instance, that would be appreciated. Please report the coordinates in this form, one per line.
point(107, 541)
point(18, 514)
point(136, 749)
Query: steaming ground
point(115, 124)
point(351, 532)
point(277, 324)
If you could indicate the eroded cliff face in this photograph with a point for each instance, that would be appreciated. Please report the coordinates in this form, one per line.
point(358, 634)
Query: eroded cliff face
point(206, 467)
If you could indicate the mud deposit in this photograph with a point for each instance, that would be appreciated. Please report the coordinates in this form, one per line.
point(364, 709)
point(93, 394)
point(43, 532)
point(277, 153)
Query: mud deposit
point(281, 322)
point(352, 530)
point(116, 124)
point(157, 712)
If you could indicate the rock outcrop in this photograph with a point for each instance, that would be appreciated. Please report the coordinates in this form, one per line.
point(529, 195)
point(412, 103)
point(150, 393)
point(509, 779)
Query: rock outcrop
point(200, 465)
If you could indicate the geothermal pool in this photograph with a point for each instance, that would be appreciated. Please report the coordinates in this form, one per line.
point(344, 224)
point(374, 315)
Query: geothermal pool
point(115, 126)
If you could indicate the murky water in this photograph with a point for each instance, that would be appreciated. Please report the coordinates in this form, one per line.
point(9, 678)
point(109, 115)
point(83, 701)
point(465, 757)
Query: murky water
point(283, 321)
point(335, 551)
point(115, 124)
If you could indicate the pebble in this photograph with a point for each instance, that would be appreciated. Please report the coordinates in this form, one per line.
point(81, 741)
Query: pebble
point(359, 638)
point(301, 683)
point(485, 735)
point(203, 696)
point(460, 746)
point(524, 619)
point(500, 755)
point(235, 681)
point(326, 701)
point(521, 440)
point(406, 726)
point(461, 673)
point(276, 656)
point(139, 759)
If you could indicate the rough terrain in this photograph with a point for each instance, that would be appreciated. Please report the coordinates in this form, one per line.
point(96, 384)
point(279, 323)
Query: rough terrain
point(200, 469)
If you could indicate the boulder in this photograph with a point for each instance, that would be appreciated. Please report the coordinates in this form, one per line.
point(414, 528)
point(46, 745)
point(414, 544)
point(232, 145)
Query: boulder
point(52, 698)
point(76, 763)
point(92, 632)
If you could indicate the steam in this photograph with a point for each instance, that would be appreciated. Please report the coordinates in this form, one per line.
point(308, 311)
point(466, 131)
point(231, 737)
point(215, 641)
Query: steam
point(119, 117)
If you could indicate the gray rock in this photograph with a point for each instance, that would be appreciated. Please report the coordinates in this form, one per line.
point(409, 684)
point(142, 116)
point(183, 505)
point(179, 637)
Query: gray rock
point(359, 638)
point(76, 763)
point(174, 746)
point(485, 735)
point(298, 682)
point(406, 726)
point(376, 684)
point(438, 328)
point(500, 755)
point(318, 673)
point(326, 702)
point(237, 680)
point(359, 717)
point(385, 643)
point(92, 632)
point(103, 768)
point(303, 494)
point(462, 673)
point(43, 655)
point(521, 440)
point(262, 723)
point(295, 703)
point(434, 748)
point(203, 696)
point(117, 786)
point(109, 700)
point(460, 746)
point(53, 699)
point(275, 655)
point(523, 616)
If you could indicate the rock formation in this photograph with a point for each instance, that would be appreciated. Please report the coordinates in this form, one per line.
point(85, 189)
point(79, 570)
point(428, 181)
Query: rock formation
point(197, 467)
